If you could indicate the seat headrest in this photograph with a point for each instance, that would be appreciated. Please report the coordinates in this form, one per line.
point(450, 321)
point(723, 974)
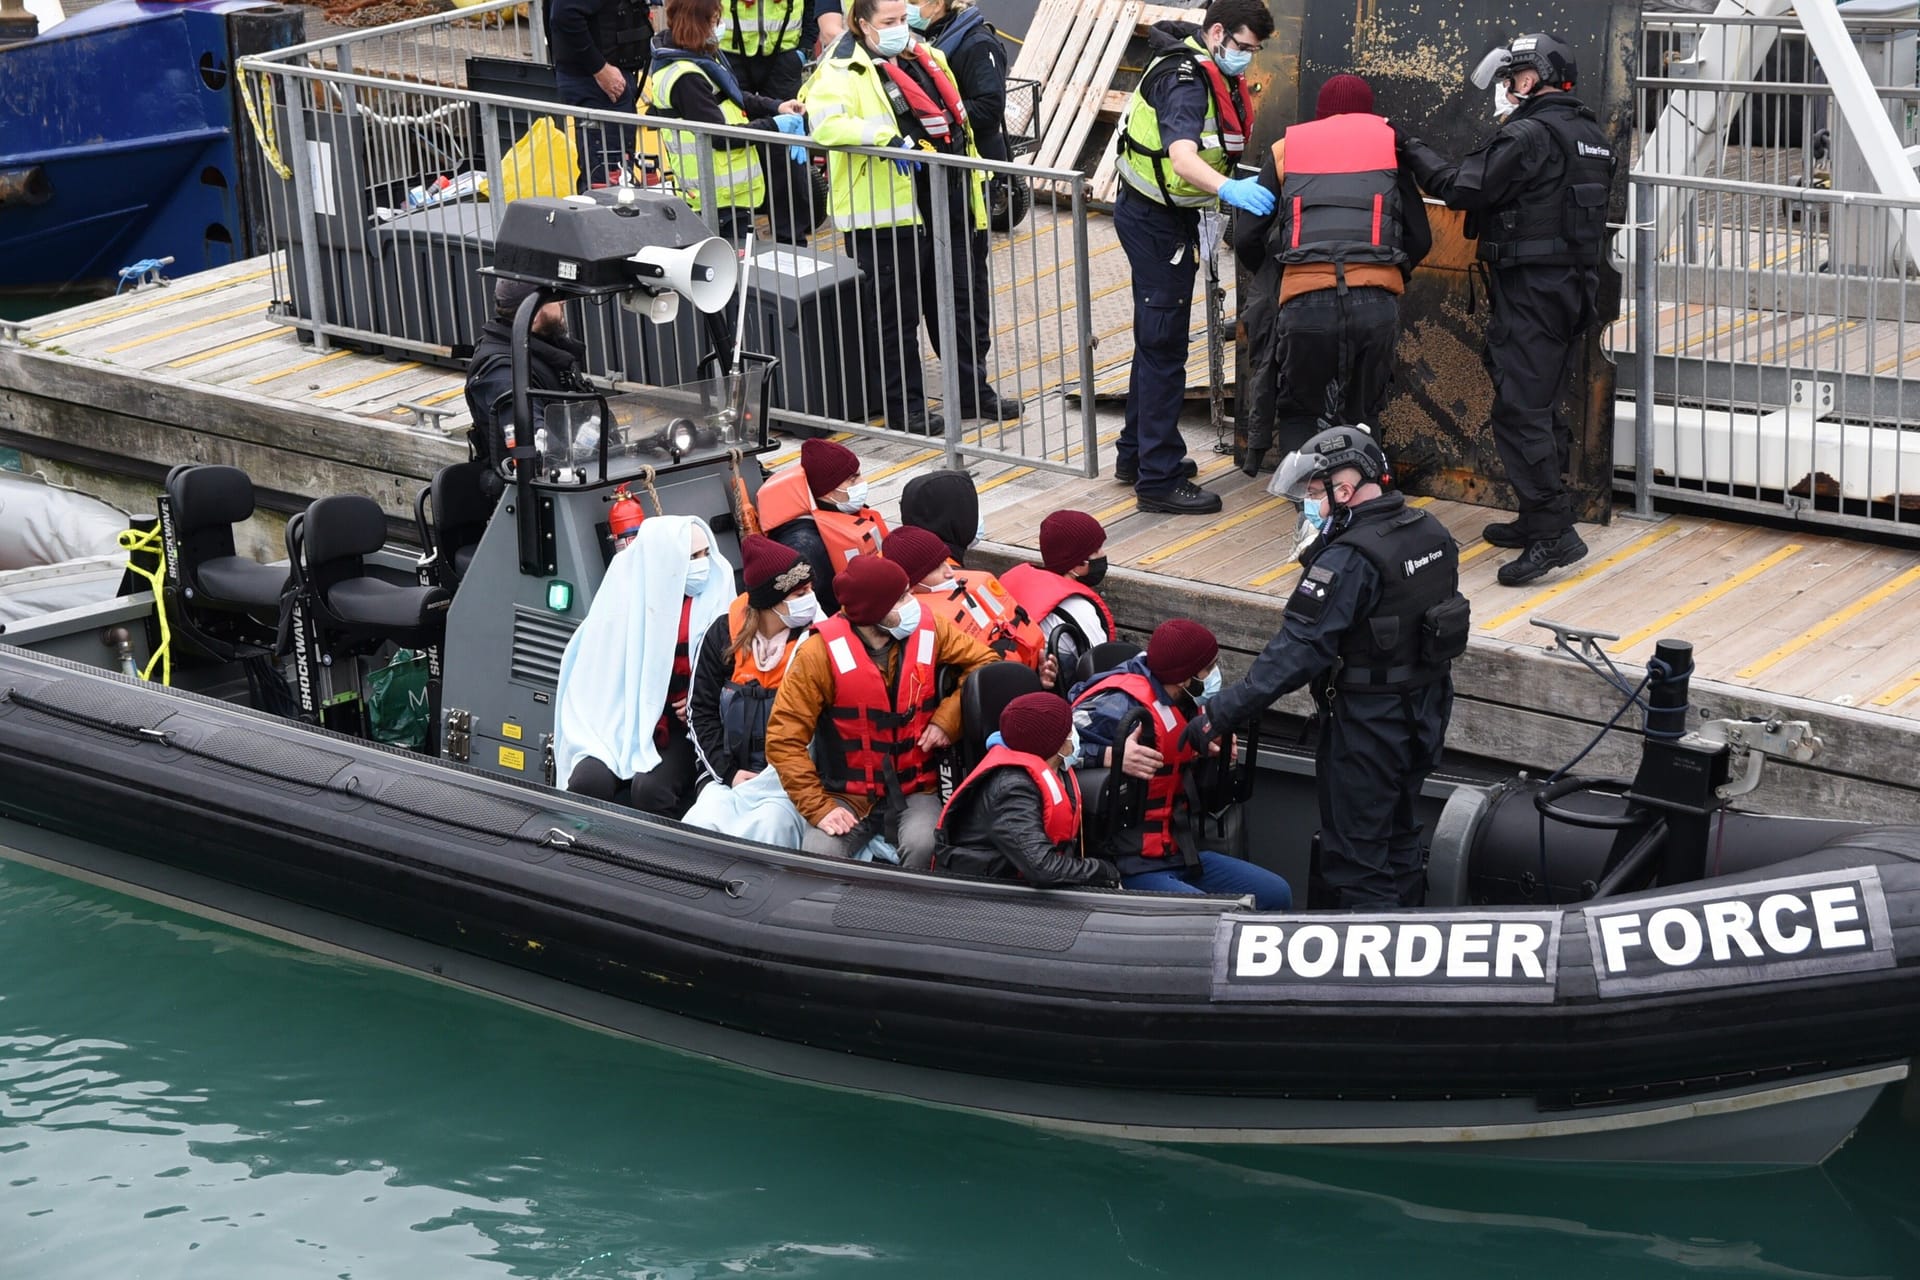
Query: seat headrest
point(989, 690)
point(209, 495)
point(342, 527)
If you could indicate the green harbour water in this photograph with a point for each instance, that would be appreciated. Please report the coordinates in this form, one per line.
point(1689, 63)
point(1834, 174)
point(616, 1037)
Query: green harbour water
point(181, 1099)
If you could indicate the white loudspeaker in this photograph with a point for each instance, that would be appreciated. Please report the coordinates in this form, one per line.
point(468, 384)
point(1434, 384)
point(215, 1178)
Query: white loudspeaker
point(703, 273)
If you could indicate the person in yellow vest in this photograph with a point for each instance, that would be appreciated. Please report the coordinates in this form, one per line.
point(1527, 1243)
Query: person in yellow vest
point(744, 657)
point(764, 41)
point(859, 717)
point(691, 79)
point(971, 599)
point(882, 87)
point(819, 508)
point(1181, 134)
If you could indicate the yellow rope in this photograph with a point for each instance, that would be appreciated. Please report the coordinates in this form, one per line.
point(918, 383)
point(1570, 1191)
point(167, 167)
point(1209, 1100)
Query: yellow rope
point(133, 542)
point(264, 133)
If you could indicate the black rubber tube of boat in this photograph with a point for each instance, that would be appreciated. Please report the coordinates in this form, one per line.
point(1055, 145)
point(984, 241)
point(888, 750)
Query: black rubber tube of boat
point(552, 838)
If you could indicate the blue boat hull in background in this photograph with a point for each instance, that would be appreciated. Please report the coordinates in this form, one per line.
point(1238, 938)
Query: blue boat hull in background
point(118, 142)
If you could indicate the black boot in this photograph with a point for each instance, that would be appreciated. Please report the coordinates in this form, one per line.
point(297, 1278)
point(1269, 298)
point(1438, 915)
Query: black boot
point(1542, 558)
point(1505, 534)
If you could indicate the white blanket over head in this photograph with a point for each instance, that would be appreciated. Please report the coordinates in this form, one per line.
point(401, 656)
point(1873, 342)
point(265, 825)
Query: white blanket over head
point(614, 674)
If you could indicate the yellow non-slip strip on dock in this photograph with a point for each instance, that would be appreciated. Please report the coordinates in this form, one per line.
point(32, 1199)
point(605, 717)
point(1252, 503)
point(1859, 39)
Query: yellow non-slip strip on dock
point(1625, 553)
point(213, 353)
point(252, 309)
point(168, 295)
point(1898, 691)
point(780, 460)
point(1218, 527)
point(302, 367)
point(405, 367)
point(1706, 598)
point(1878, 595)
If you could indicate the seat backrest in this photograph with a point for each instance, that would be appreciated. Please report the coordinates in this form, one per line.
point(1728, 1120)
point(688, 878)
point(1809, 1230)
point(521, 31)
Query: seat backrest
point(985, 695)
point(337, 532)
point(207, 502)
point(1104, 657)
point(461, 508)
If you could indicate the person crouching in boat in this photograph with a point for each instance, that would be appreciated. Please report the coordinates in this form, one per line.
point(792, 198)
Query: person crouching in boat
point(1181, 666)
point(864, 695)
point(820, 510)
point(1058, 593)
point(620, 714)
point(972, 600)
point(1017, 815)
point(744, 657)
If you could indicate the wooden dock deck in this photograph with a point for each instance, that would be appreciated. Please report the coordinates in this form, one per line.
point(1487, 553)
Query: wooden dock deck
point(1784, 622)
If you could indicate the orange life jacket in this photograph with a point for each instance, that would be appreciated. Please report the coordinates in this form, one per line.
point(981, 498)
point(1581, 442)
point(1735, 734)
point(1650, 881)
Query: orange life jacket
point(746, 700)
point(1040, 591)
point(1059, 800)
point(785, 498)
point(977, 604)
point(870, 727)
point(1164, 787)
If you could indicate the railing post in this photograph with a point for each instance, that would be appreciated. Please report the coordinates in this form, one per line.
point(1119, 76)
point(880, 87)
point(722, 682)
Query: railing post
point(1083, 323)
point(1645, 339)
point(490, 140)
point(537, 24)
point(943, 268)
point(301, 162)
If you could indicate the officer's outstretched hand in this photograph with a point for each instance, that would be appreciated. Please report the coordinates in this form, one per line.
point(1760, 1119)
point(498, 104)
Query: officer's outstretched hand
point(1248, 194)
point(1199, 735)
point(1137, 760)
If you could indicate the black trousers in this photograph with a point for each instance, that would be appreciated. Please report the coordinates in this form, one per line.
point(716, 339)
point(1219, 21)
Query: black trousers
point(1375, 752)
point(972, 290)
point(777, 75)
point(1162, 247)
point(667, 789)
point(1540, 314)
point(1333, 361)
point(889, 259)
point(603, 148)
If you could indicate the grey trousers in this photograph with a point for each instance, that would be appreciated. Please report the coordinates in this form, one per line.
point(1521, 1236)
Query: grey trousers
point(916, 834)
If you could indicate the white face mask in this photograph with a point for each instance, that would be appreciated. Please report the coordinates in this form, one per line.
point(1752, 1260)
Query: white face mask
point(800, 611)
point(1211, 685)
point(856, 500)
point(1073, 747)
point(697, 571)
point(909, 621)
point(979, 532)
point(1502, 107)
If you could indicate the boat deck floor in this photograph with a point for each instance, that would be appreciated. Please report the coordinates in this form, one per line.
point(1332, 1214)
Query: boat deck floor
point(1789, 612)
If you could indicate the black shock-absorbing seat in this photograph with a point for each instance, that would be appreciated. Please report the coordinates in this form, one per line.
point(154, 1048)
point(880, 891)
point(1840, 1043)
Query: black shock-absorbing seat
point(452, 513)
point(352, 605)
point(1104, 657)
point(985, 695)
point(227, 604)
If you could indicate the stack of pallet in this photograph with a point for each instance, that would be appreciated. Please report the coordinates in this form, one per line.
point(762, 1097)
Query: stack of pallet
point(1078, 54)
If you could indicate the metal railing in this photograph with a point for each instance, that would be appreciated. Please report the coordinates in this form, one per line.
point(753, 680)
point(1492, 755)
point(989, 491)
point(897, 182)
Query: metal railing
point(393, 153)
point(1772, 317)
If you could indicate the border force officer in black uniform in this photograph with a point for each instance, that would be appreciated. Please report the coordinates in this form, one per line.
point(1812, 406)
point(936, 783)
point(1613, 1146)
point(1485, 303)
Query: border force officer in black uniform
point(1374, 626)
point(599, 49)
point(1536, 195)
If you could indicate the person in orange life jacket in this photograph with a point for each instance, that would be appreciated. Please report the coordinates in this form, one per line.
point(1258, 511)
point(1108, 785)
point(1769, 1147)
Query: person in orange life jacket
point(744, 656)
point(1372, 627)
point(972, 600)
point(859, 716)
point(693, 36)
point(620, 707)
point(1329, 267)
point(1180, 666)
point(1181, 136)
point(821, 511)
point(1059, 591)
point(1017, 815)
point(600, 48)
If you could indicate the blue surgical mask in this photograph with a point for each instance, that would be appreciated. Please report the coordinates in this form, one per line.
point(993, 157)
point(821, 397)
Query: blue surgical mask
point(800, 611)
point(909, 621)
point(979, 532)
point(914, 20)
point(1232, 61)
point(1211, 685)
point(697, 571)
point(1073, 748)
point(893, 42)
point(1314, 512)
point(856, 498)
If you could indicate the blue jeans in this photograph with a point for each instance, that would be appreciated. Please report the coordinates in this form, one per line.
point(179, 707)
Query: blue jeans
point(1219, 874)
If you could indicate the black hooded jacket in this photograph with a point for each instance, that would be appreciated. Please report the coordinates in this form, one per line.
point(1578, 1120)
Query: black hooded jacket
point(995, 832)
point(946, 503)
point(554, 363)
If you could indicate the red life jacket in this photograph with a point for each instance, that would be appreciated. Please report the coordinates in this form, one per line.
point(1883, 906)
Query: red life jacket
point(1040, 591)
point(977, 604)
point(869, 724)
point(677, 684)
point(1164, 787)
point(1227, 98)
point(1059, 801)
point(1340, 197)
point(944, 121)
point(785, 498)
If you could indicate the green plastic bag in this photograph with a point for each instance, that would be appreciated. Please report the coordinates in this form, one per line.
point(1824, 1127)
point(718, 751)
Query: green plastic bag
point(397, 701)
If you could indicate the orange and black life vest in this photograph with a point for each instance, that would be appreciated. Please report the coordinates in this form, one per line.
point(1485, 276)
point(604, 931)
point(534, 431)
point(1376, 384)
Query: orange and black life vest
point(1040, 591)
point(978, 605)
point(1059, 798)
point(785, 498)
point(1340, 197)
point(1164, 788)
point(943, 122)
point(868, 744)
point(746, 699)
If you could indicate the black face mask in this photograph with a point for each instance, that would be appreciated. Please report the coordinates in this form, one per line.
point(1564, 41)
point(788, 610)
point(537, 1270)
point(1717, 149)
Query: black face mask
point(1096, 571)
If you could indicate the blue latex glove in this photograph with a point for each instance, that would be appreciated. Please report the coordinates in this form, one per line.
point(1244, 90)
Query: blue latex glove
point(905, 167)
point(1248, 194)
point(799, 155)
point(790, 124)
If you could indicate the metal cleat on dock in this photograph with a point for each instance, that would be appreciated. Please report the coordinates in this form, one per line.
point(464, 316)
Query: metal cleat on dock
point(425, 415)
point(13, 333)
point(1577, 643)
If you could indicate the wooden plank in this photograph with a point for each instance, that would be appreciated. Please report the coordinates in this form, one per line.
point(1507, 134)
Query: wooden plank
point(1068, 91)
point(1073, 41)
point(1081, 117)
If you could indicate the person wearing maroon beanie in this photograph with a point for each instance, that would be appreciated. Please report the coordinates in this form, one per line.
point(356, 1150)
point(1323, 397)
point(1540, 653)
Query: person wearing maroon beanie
point(819, 508)
point(1058, 593)
point(859, 718)
point(1181, 666)
point(1319, 353)
point(1017, 815)
point(744, 657)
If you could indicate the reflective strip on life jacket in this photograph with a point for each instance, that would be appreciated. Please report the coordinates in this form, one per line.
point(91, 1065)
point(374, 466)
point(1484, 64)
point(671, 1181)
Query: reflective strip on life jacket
point(1059, 802)
point(1164, 787)
point(873, 725)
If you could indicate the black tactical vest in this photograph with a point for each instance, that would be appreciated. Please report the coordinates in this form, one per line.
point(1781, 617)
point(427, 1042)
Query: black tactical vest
point(624, 34)
point(1419, 624)
point(1562, 215)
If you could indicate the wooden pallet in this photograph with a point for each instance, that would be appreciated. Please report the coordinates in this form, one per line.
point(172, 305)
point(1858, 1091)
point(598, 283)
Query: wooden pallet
point(1075, 54)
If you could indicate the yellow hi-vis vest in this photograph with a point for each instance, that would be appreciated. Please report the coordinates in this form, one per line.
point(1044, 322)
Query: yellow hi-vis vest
point(737, 181)
point(771, 26)
point(1144, 165)
point(848, 107)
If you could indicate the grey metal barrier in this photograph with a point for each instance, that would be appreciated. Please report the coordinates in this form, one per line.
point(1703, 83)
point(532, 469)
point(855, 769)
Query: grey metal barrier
point(1773, 317)
point(398, 150)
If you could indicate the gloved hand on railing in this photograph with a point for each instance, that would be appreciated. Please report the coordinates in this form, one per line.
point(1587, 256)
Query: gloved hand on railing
point(1248, 194)
point(796, 126)
point(905, 166)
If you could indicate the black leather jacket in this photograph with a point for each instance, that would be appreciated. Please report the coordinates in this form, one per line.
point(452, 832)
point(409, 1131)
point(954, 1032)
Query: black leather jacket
point(995, 832)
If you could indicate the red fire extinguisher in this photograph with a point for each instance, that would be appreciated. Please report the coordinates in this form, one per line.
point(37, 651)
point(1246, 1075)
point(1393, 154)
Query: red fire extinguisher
point(624, 517)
